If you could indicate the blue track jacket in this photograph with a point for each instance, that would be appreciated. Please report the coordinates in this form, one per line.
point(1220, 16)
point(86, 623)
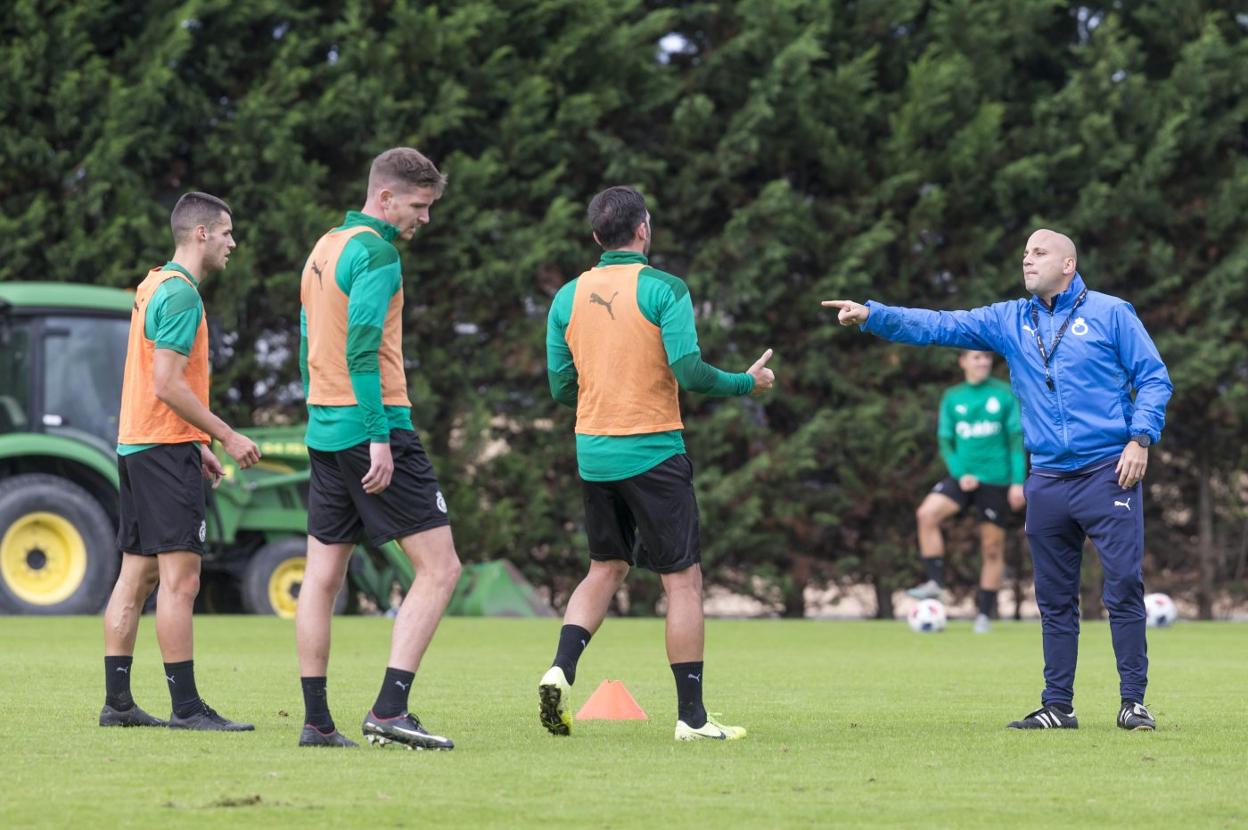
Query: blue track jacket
point(1104, 356)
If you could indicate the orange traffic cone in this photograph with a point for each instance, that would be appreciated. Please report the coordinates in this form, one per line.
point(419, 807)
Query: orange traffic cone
point(611, 701)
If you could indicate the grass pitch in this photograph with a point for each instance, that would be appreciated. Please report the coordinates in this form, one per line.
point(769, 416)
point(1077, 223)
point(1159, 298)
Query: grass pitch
point(851, 724)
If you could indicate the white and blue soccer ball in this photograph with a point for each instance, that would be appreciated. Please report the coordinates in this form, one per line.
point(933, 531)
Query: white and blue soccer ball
point(927, 615)
point(1159, 611)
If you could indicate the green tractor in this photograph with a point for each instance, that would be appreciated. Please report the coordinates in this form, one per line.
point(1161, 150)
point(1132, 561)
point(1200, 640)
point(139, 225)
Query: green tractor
point(62, 356)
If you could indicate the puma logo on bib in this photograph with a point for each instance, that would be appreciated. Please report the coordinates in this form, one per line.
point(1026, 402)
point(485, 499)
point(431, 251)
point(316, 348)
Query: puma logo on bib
point(594, 298)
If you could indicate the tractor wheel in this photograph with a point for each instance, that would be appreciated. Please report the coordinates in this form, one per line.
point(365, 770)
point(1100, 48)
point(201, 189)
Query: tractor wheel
point(58, 551)
point(274, 576)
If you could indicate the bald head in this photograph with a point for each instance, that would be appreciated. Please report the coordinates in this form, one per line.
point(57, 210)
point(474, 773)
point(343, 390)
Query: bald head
point(1048, 263)
point(1062, 244)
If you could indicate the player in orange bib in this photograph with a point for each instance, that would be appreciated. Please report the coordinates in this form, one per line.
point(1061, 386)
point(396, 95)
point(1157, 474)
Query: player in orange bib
point(163, 458)
point(620, 339)
point(370, 475)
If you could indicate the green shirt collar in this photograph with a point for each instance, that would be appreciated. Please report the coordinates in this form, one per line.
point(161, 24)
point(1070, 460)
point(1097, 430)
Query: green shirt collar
point(355, 218)
point(173, 266)
point(622, 258)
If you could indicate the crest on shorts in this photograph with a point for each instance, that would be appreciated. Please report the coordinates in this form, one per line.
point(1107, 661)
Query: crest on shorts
point(203, 530)
point(441, 502)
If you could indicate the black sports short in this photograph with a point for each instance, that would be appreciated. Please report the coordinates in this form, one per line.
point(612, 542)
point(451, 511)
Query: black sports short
point(658, 506)
point(161, 500)
point(991, 500)
point(339, 509)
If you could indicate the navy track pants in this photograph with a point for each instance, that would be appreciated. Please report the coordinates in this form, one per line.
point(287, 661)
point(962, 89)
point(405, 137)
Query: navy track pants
point(1064, 509)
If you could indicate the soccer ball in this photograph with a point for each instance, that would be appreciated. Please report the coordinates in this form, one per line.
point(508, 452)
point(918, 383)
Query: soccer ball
point(927, 615)
point(1159, 610)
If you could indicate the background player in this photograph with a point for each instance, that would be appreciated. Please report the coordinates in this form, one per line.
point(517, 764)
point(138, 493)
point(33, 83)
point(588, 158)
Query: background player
point(981, 443)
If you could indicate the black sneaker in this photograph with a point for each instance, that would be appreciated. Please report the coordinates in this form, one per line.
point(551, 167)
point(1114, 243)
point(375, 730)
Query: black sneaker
point(1136, 717)
point(1046, 717)
point(134, 716)
point(314, 737)
point(205, 719)
point(404, 729)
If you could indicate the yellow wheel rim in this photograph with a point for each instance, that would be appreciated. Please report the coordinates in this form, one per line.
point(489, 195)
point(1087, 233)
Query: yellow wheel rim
point(284, 584)
point(43, 558)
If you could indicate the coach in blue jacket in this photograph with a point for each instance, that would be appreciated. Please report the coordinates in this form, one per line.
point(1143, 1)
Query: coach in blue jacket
point(1093, 391)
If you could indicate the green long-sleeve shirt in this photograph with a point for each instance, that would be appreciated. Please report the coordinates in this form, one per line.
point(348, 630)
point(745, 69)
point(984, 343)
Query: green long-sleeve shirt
point(370, 274)
point(980, 433)
point(664, 300)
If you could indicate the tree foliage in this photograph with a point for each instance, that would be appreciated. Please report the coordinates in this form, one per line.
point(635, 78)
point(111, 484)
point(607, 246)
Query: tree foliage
point(791, 150)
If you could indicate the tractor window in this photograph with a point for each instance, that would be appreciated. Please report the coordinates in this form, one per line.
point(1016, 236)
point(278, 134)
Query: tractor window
point(15, 370)
point(84, 361)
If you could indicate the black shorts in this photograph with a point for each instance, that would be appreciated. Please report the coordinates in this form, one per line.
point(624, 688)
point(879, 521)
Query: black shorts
point(991, 500)
point(339, 509)
point(161, 500)
point(658, 505)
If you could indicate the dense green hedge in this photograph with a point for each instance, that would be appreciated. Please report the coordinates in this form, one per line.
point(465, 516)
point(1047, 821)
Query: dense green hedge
point(791, 150)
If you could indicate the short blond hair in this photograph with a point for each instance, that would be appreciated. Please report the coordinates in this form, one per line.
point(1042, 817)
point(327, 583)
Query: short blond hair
point(405, 167)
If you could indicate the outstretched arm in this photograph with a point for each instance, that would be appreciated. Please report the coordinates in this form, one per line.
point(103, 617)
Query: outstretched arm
point(674, 313)
point(980, 328)
point(695, 375)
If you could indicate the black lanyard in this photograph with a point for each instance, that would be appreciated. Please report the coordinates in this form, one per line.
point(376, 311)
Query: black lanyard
point(1045, 354)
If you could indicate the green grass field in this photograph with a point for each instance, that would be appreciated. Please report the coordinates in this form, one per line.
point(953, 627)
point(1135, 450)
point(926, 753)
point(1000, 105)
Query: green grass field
point(851, 724)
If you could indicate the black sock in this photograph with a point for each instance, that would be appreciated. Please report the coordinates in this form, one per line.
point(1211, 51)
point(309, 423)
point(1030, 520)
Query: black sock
point(1064, 708)
point(181, 677)
point(572, 642)
point(689, 693)
point(935, 569)
point(987, 602)
point(117, 682)
point(392, 699)
point(316, 704)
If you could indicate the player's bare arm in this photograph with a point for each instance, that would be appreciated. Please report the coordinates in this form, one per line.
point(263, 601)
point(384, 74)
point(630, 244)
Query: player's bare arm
point(169, 368)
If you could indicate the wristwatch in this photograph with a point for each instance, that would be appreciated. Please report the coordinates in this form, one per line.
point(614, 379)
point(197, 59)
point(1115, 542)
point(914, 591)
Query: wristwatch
point(1142, 440)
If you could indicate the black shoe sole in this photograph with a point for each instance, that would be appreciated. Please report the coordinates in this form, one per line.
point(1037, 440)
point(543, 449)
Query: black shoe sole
point(130, 718)
point(550, 697)
point(237, 727)
point(335, 740)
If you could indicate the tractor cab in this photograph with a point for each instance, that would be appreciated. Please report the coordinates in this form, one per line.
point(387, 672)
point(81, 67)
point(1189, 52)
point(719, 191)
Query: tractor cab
point(62, 356)
point(62, 361)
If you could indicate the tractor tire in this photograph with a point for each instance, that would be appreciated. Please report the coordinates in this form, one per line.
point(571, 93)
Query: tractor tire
point(58, 549)
point(274, 575)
